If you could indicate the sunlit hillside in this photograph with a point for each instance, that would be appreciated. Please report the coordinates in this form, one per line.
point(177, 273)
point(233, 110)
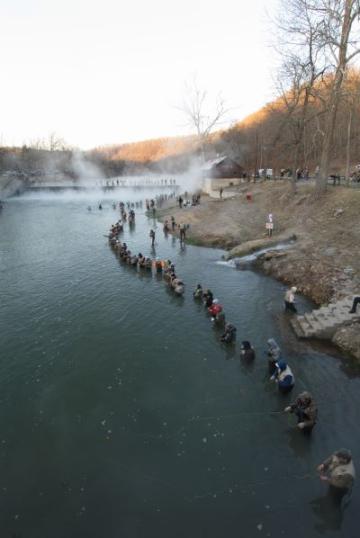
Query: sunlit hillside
point(150, 150)
point(285, 133)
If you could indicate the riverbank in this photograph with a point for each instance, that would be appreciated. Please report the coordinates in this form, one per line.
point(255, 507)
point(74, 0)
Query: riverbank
point(323, 262)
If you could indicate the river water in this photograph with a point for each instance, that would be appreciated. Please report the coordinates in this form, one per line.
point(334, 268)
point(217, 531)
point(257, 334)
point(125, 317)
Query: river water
point(121, 412)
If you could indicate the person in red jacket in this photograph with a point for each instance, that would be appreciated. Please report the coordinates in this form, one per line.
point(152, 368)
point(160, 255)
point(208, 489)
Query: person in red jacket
point(215, 309)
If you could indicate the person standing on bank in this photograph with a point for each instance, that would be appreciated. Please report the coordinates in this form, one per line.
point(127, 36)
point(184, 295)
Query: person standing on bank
point(290, 299)
point(221, 192)
point(270, 225)
point(356, 301)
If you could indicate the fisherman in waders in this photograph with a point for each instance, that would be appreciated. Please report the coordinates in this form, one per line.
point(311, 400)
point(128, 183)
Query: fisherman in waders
point(339, 471)
point(152, 237)
point(305, 409)
point(182, 233)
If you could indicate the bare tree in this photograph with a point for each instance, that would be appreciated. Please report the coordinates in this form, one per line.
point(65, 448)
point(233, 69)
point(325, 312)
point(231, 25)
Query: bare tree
point(195, 107)
point(351, 104)
point(322, 36)
point(302, 66)
point(341, 41)
point(53, 142)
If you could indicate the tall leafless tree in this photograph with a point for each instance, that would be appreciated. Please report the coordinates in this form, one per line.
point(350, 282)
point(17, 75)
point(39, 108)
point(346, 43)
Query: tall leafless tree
point(302, 66)
point(340, 39)
point(196, 109)
point(329, 31)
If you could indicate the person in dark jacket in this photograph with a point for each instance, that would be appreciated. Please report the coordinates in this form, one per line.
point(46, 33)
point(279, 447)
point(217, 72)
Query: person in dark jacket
point(356, 301)
point(229, 335)
point(208, 298)
point(152, 237)
point(247, 352)
point(306, 411)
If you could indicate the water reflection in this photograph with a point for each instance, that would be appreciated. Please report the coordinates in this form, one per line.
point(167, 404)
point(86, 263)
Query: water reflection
point(330, 509)
point(247, 366)
point(299, 442)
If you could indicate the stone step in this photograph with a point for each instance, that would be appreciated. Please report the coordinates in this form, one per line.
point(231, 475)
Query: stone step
point(297, 328)
point(305, 327)
point(309, 317)
point(324, 321)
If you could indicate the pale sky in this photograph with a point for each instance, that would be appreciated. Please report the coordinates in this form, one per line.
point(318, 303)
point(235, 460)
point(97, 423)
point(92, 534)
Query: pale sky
point(113, 71)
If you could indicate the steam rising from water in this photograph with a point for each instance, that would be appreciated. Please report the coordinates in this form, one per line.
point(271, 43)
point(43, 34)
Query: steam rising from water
point(84, 169)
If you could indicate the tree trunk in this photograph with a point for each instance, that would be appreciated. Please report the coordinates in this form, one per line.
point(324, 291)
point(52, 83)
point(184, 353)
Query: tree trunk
point(321, 183)
point(347, 172)
point(294, 168)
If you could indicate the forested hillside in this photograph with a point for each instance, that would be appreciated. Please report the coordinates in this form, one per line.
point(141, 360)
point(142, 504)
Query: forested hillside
point(286, 133)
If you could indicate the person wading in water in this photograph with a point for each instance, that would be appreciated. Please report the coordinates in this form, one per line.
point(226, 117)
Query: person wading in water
point(152, 237)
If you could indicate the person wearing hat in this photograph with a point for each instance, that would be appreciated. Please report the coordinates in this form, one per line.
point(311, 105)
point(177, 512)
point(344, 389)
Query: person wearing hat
point(152, 237)
point(284, 377)
point(215, 309)
point(198, 293)
point(208, 298)
point(290, 299)
point(274, 354)
point(229, 335)
point(305, 409)
point(338, 470)
point(217, 312)
point(247, 352)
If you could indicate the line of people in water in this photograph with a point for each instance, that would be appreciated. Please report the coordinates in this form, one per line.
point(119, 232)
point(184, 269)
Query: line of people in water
point(216, 311)
point(338, 470)
point(122, 206)
point(165, 267)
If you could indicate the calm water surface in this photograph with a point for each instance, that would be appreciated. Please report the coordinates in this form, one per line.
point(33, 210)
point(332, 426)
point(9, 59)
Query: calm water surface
point(122, 415)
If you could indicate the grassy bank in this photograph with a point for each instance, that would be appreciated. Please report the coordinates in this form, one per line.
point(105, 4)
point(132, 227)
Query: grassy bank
point(324, 261)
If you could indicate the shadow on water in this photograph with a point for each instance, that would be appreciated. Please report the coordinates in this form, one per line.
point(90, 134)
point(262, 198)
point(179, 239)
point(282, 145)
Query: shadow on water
point(299, 442)
point(330, 509)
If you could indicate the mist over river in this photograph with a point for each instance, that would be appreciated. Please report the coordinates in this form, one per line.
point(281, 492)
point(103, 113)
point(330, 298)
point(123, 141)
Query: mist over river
point(122, 414)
